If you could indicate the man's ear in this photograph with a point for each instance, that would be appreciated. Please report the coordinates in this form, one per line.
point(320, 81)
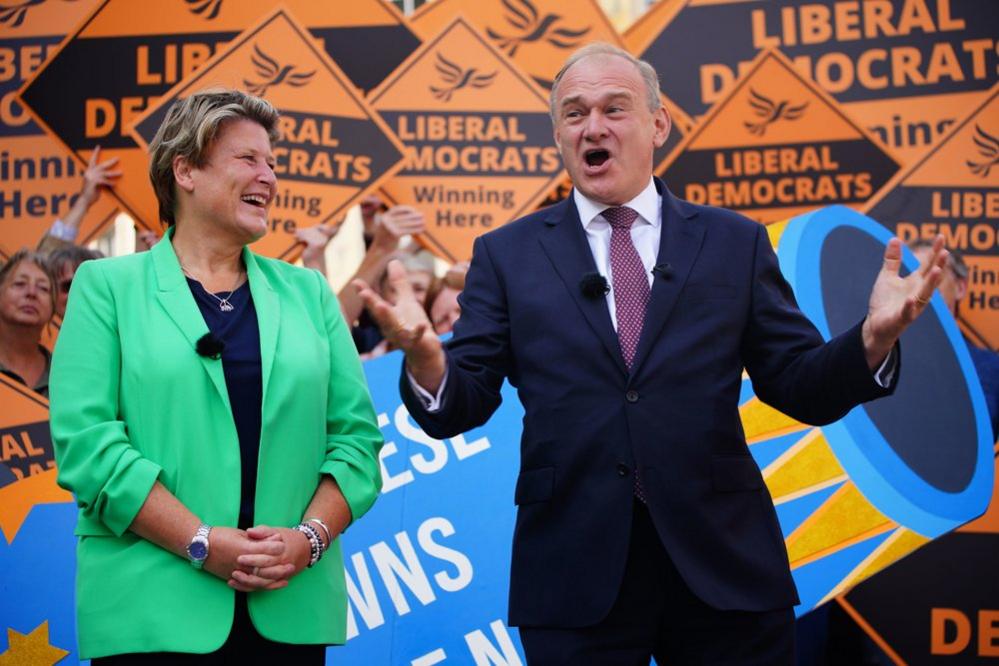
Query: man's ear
point(960, 288)
point(183, 173)
point(663, 124)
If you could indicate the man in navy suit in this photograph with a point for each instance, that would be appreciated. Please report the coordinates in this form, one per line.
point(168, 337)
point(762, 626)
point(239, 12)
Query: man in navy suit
point(624, 317)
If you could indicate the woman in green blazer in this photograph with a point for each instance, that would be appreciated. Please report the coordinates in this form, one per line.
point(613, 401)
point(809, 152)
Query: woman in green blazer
point(210, 414)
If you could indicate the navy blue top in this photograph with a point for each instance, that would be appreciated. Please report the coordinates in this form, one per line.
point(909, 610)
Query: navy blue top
point(243, 379)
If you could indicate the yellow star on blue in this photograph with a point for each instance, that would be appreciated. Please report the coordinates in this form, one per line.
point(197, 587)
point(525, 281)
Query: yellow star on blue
point(32, 648)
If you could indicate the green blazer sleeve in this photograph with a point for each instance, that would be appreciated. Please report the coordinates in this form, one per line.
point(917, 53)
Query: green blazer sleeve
point(352, 435)
point(96, 461)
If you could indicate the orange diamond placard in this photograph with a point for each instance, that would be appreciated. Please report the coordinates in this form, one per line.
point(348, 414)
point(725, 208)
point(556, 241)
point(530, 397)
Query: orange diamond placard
point(39, 179)
point(333, 148)
point(538, 35)
point(954, 190)
point(126, 54)
point(479, 144)
point(905, 69)
point(25, 442)
point(775, 146)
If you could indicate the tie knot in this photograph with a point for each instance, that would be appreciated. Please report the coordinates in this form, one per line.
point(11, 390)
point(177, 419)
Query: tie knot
point(620, 217)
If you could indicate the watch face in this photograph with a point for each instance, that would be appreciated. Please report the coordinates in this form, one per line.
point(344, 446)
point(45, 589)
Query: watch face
point(197, 550)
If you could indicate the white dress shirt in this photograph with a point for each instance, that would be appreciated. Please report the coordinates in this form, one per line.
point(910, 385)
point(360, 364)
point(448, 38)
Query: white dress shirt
point(645, 233)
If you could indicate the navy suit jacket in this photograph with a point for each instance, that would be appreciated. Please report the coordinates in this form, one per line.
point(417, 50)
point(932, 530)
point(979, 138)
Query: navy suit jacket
point(589, 421)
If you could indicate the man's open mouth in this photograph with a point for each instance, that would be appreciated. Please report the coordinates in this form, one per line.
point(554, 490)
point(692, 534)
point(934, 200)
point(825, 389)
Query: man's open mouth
point(596, 157)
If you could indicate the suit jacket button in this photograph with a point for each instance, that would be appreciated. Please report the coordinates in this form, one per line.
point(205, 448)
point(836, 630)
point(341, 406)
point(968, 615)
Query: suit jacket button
point(631, 396)
point(622, 470)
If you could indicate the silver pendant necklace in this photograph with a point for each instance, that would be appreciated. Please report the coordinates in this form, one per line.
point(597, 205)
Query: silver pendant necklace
point(224, 304)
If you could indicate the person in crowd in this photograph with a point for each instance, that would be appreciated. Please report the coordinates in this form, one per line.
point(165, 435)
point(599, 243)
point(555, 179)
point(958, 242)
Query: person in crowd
point(371, 207)
point(442, 304)
point(211, 417)
point(27, 301)
point(419, 267)
point(624, 317)
point(65, 261)
point(953, 288)
point(315, 239)
point(96, 177)
point(420, 278)
point(145, 239)
point(383, 232)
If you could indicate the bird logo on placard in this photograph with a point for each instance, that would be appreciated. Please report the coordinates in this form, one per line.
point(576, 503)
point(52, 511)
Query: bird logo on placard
point(988, 147)
point(208, 8)
point(457, 78)
point(274, 74)
point(771, 112)
point(14, 14)
point(533, 27)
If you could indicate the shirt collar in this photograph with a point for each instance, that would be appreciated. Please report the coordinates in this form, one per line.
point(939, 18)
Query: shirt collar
point(648, 205)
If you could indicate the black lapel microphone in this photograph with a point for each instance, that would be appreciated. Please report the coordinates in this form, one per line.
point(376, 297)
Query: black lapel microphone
point(594, 285)
point(665, 271)
point(209, 346)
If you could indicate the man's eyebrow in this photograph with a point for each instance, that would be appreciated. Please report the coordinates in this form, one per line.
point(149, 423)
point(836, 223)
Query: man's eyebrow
point(604, 97)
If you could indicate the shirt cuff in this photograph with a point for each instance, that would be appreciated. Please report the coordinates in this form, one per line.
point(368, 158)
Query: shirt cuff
point(63, 231)
point(885, 374)
point(431, 402)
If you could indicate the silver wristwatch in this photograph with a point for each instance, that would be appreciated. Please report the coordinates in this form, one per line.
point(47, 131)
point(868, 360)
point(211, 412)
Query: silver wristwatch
point(197, 550)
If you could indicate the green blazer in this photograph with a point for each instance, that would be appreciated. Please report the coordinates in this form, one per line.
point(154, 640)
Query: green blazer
point(131, 402)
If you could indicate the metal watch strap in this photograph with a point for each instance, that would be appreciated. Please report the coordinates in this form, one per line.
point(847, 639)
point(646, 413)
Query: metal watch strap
point(200, 537)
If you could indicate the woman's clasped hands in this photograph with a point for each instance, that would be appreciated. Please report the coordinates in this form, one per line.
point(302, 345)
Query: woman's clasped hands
point(260, 558)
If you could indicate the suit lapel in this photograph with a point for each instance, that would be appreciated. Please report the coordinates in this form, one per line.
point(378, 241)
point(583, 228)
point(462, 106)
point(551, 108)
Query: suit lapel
point(175, 297)
point(268, 308)
point(564, 241)
point(679, 244)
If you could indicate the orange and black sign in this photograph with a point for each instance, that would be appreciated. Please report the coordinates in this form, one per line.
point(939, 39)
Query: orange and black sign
point(39, 179)
point(538, 35)
point(333, 147)
point(954, 190)
point(939, 605)
point(25, 442)
point(905, 69)
point(776, 145)
point(479, 144)
point(126, 54)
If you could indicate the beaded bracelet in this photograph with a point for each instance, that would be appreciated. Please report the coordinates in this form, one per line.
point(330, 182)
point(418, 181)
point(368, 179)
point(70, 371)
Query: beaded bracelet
point(326, 530)
point(316, 548)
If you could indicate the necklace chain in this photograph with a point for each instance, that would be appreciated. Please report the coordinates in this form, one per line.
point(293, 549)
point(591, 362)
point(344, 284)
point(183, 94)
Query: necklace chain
point(224, 304)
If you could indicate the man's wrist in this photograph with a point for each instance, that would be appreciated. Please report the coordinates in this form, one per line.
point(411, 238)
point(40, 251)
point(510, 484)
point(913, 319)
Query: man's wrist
point(427, 371)
point(875, 349)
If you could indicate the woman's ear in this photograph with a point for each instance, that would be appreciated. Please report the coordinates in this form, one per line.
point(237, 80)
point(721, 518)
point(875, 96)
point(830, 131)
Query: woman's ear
point(183, 173)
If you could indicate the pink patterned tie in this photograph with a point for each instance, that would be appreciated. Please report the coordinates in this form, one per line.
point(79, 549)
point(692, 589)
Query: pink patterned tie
point(631, 291)
point(631, 286)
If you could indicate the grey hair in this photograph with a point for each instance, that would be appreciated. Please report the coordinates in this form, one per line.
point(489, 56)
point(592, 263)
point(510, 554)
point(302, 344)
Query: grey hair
point(188, 129)
point(72, 255)
point(645, 70)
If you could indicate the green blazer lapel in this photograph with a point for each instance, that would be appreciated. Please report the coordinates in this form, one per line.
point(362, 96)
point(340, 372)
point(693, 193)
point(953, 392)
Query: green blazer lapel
point(268, 307)
point(175, 297)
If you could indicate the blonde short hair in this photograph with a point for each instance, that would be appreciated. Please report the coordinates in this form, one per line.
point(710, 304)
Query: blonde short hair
point(190, 126)
point(25, 255)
